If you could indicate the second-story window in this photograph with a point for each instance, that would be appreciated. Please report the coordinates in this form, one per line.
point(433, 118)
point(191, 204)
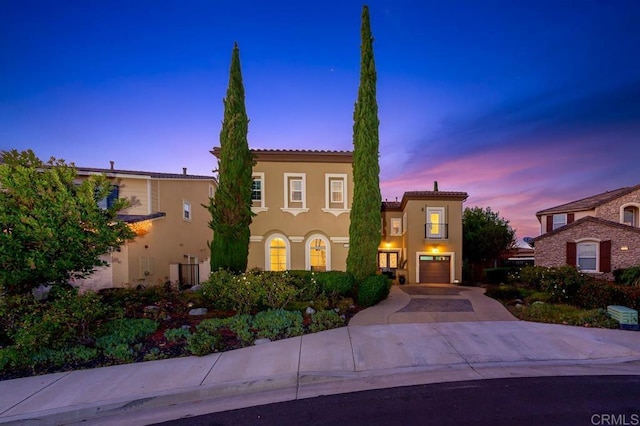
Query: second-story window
point(296, 190)
point(186, 210)
point(396, 226)
point(295, 197)
point(436, 226)
point(257, 193)
point(107, 202)
point(559, 220)
point(335, 192)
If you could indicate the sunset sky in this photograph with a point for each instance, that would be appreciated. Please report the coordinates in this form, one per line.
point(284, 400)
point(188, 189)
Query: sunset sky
point(522, 104)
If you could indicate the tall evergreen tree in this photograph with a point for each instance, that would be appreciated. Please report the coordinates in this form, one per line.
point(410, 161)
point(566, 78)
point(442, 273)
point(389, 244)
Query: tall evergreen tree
point(364, 230)
point(231, 206)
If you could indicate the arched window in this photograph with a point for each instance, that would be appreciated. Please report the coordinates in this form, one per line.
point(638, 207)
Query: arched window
point(277, 253)
point(318, 253)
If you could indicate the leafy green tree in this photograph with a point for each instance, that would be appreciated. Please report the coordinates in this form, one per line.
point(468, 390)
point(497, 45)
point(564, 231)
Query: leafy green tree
point(51, 228)
point(485, 236)
point(231, 206)
point(364, 230)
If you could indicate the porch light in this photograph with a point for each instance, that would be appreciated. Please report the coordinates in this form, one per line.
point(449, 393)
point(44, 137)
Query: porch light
point(141, 228)
point(434, 250)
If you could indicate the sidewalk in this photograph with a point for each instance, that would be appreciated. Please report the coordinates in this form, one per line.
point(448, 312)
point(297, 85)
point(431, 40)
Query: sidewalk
point(348, 359)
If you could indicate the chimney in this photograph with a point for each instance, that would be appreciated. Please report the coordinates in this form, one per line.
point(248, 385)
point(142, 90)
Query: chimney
point(396, 199)
point(112, 163)
point(435, 186)
point(184, 170)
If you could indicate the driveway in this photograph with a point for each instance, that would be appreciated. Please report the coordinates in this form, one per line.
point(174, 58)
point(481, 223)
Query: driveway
point(428, 303)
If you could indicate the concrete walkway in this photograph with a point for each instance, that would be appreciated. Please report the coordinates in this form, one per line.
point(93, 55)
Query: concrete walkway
point(354, 358)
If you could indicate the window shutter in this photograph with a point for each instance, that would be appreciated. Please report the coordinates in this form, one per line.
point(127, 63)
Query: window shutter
point(571, 253)
point(570, 218)
point(605, 256)
point(550, 223)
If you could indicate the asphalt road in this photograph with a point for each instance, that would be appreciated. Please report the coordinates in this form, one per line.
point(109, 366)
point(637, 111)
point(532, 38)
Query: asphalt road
point(583, 400)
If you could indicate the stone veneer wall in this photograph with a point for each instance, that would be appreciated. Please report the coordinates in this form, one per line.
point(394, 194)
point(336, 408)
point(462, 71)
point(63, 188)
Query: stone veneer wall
point(611, 210)
point(552, 250)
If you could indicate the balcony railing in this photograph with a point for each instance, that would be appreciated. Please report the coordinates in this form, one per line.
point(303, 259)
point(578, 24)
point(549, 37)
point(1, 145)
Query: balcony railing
point(436, 231)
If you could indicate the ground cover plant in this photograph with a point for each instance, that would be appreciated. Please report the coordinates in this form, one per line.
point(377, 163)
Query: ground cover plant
point(70, 330)
point(564, 295)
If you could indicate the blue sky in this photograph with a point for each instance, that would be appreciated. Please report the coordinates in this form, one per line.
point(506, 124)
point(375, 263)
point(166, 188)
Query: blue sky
point(524, 105)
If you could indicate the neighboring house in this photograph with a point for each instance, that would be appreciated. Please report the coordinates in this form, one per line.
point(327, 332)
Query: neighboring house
point(303, 199)
point(171, 228)
point(597, 234)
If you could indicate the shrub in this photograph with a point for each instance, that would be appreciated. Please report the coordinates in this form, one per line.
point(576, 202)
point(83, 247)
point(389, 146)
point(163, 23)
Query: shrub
point(276, 324)
point(306, 283)
point(563, 283)
point(176, 334)
point(373, 289)
point(503, 292)
point(202, 343)
point(336, 283)
point(628, 276)
point(564, 314)
point(246, 292)
point(217, 288)
point(278, 291)
point(531, 276)
point(240, 325)
point(497, 275)
point(600, 294)
point(66, 320)
point(325, 320)
point(117, 337)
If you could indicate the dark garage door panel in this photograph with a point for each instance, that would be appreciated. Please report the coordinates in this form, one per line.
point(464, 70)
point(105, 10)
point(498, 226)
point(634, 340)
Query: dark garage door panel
point(435, 269)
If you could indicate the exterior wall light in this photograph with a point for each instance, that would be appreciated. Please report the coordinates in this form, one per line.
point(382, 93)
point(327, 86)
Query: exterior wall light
point(624, 248)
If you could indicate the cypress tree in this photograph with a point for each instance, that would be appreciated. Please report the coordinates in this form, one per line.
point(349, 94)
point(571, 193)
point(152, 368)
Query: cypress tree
point(231, 206)
point(364, 230)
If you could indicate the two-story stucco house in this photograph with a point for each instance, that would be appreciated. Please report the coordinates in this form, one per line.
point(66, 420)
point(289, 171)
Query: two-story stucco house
point(171, 228)
point(302, 201)
point(597, 234)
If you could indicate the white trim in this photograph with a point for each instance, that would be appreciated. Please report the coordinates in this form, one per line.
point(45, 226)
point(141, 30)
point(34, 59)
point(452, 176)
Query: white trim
point(336, 212)
point(441, 224)
point(452, 262)
point(261, 207)
point(307, 251)
point(593, 241)
point(294, 212)
point(287, 194)
point(256, 239)
point(296, 239)
point(187, 202)
point(339, 240)
point(328, 177)
point(149, 211)
point(636, 213)
point(267, 252)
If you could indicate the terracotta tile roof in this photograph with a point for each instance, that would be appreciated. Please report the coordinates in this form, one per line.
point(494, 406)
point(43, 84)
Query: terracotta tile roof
point(297, 155)
point(134, 218)
point(154, 175)
point(422, 194)
point(391, 205)
point(589, 203)
point(592, 219)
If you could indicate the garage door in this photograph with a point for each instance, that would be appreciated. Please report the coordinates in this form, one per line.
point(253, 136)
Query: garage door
point(435, 269)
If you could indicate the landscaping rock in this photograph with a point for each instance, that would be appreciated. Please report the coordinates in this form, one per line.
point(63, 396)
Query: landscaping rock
point(151, 309)
point(186, 327)
point(538, 302)
point(261, 341)
point(198, 312)
point(310, 311)
point(519, 305)
point(41, 292)
point(195, 288)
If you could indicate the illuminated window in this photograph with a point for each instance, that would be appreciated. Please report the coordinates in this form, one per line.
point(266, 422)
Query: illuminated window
point(388, 259)
point(277, 254)
point(436, 224)
point(318, 255)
